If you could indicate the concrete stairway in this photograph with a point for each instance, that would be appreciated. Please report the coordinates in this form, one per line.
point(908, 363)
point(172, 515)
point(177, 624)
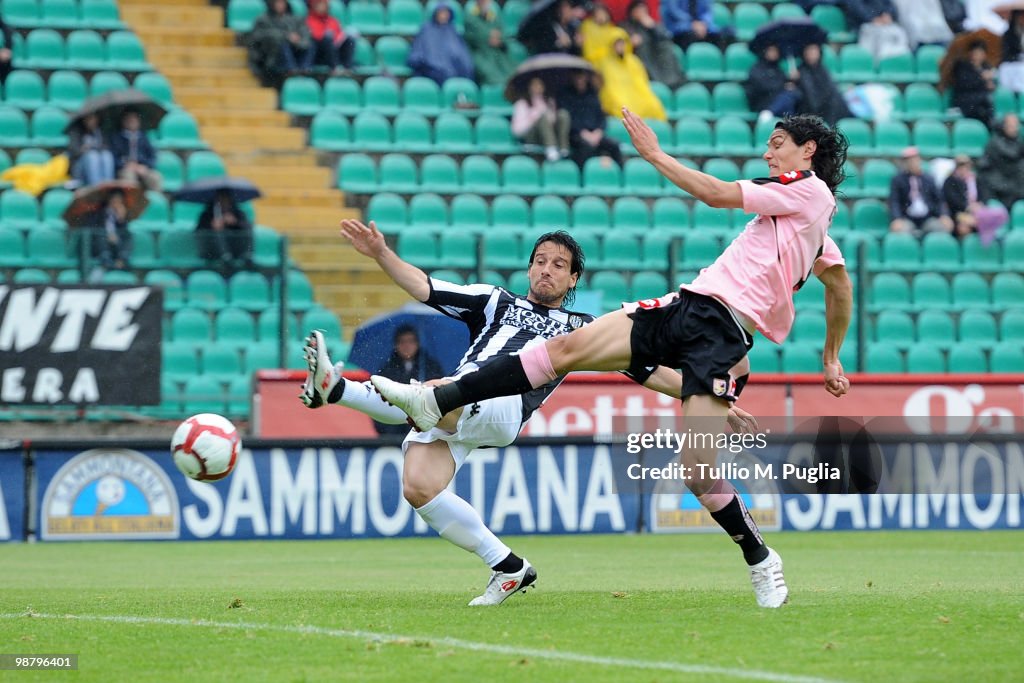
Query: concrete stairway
point(188, 42)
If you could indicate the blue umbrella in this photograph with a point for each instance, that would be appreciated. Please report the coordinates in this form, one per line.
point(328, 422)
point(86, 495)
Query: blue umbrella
point(444, 338)
point(790, 35)
point(205, 190)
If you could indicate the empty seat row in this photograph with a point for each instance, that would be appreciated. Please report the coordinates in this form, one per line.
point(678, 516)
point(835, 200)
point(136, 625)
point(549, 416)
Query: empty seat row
point(304, 96)
point(66, 89)
point(799, 357)
point(894, 291)
point(66, 14)
point(83, 50)
point(931, 136)
point(901, 330)
point(451, 133)
point(944, 253)
point(237, 326)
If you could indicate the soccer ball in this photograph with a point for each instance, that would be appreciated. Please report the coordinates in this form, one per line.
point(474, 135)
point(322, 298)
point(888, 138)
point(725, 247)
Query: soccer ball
point(205, 447)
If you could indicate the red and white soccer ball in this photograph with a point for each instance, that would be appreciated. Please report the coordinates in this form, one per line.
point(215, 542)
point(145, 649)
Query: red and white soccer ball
point(205, 447)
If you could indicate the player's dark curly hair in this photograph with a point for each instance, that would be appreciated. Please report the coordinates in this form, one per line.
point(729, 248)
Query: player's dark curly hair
point(561, 237)
point(830, 158)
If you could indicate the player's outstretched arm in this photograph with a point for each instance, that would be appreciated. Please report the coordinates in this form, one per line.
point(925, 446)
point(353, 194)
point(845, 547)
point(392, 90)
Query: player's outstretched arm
point(706, 188)
point(838, 309)
point(369, 241)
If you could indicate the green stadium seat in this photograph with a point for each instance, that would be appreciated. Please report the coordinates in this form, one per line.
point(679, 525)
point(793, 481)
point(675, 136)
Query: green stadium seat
point(204, 164)
point(832, 19)
point(492, 100)
point(13, 127)
point(895, 329)
point(19, 209)
point(221, 362)
point(73, 276)
point(1005, 102)
point(171, 169)
point(493, 134)
point(621, 251)
point(970, 290)
point(495, 278)
point(24, 89)
point(401, 172)
point(389, 211)
point(747, 18)
point(45, 49)
point(382, 95)
point(670, 215)
point(458, 249)
point(105, 81)
point(124, 52)
point(31, 276)
point(173, 288)
point(484, 172)
point(1007, 290)
point(700, 249)
point(206, 290)
point(371, 132)
point(412, 133)
point(560, 177)
point(885, 358)
point(156, 86)
point(58, 13)
point(891, 137)
point(54, 203)
point(732, 137)
point(856, 64)
point(764, 357)
point(897, 69)
point(858, 132)
point(870, 216)
point(921, 100)
point(925, 357)
point(519, 282)
point(510, 212)
point(665, 94)
point(613, 287)
point(931, 138)
point(738, 60)
point(977, 327)
point(31, 155)
point(393, 52)
point(365, 61)
point(648, 285)
point(368, 17)
point(591, 213)
point(448, 275)
point(342, 95)
point(268, 326)
point(300, 95)
point(239, 396)
point(928, 58)
point(640, 178)
point(730, 99)
point(1013, 248)
point(930, 290)
point(262, 356)
point(330, 131)
point(704, 62)
point(319, 318)
point(419, 248)
point(180, 360)
point(877, 176)
point(502, 250)
point(12, 247)
point(242, 14)
point(191, 325)
point(720, 15)
point(459, 91)
point(693, 137)
point(723, 169)
point(800, 357)
point(890, 291)
point(841, 221)
point(469, 213)
point(602, 176)
point(969, 137)
point(808, 326)
point(453, 134)
point(941, 251)
point(692, 99)
point(901, 252)
point(711, 219)
point(428, 211)
point(421, 95)
point(357, 173)
point(204, 394)
point(967, 358)
point(935, 327)
point(179, 130)
point(630, 214)
point(101, 15)
point(520, 175)
point(550, 213)
point(1011, 326)
point(787, 10)
point(48, 127)
point(1007, 357)
point(67, 89)
point(978, 257)
point(405, 17)
point(177, 248)
point(86, 50)
point(249, 290)
point(21, 13)
point(300, 291)
point(266, 247)
point(438, 173)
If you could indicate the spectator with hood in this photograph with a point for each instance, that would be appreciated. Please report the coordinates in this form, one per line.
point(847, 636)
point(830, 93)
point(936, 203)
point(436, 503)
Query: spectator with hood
point(587, 136)
point(818, 92)
point(333, 47)
point(652, 43)
point(770, 91)
point(596, 32)
point(278, 43)
point(438, 51)
point(1001, 166)
point(557, 30)
point(625, 81)
point(487, 44)
point(692, 21)
point(408, 361)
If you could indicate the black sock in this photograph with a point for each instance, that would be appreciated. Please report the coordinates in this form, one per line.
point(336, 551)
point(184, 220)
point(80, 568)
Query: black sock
point(510, 565)
point(502, 376)
point(738, 523)
point(337, 391)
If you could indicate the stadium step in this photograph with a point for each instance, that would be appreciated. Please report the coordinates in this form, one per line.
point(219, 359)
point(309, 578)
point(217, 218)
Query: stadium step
point(220, 77)
point(226, 98)
point(237, 117)
point(155, 15)
point(283, 176)
point(291, 196)
point(185, 36)
point(264, 137)
point(176, 3)
point(329, 250)
point(206, 57)
point(285, 218)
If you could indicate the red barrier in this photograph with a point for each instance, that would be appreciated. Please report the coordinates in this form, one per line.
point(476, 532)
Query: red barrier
point(588, 403)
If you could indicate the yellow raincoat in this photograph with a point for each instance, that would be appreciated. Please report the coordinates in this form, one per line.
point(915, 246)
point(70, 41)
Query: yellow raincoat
point(625, 82)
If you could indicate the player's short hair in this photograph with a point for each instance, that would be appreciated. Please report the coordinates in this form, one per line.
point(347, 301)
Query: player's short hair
point(561, 237)
point(830, 158)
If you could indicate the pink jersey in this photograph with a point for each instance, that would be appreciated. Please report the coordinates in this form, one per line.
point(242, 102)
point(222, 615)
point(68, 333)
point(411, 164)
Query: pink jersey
point(778, 250)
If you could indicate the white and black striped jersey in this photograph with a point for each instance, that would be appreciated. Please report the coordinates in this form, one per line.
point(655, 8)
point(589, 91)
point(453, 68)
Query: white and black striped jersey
point(501, 324)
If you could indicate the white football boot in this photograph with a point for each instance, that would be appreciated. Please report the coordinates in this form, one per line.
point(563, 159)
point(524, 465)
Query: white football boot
point(416, 400)
point(769, 583)
point(502, 586)
point(322, 375)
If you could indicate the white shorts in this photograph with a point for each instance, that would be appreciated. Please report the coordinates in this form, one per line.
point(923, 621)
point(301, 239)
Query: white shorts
point(494, 422)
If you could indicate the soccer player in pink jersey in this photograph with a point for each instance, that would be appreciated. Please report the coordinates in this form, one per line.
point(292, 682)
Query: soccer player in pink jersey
point(705, 329)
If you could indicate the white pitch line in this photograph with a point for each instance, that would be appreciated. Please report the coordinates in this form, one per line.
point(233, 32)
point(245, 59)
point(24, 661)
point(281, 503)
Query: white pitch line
point(553, 655)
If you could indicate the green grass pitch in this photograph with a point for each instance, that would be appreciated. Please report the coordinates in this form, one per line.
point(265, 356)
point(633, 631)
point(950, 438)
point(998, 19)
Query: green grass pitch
point(891, 606)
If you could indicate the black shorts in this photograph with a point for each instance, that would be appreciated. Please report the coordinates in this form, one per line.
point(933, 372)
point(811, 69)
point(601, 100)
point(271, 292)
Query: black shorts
point(697, 335)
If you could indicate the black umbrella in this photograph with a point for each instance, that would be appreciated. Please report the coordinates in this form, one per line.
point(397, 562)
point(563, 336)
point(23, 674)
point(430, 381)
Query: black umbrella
point(205, 190)
point(553, 68)
point(790, 35)
point(540, 12)
point(88, 201)
point(111, 105)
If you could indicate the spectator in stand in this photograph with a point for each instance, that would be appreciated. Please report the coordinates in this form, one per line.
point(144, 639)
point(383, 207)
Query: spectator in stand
point(438, 51)
point(556, 31)
point(954, 13)
point(692, 21)
point(923, 21)
point(966, 198)
point(818, 92)
point(279, 43)
point(1011, 69)
point(653, 45)
point(1002, 163)
point(134, 156)
point(625, 81)
point(333, 48)
point(111, 242)
point(6, 51)
point(587, 121)
point(875, 21)
point(974, 79)
point(409, 361)
point(915, 203)
point(88, 152)
point(224, 234)
point(769, 90)
point(537, 120)
point(487, 44)
point(596, 32)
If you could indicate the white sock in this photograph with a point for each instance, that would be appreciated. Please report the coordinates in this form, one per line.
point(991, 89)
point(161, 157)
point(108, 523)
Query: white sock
point(364, 398)
point(458, 521)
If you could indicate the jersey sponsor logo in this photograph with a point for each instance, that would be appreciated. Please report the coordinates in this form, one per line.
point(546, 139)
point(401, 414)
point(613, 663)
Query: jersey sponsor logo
point(535, 323)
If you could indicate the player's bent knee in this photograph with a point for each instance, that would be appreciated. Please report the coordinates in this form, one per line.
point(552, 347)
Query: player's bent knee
point(418, 491)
